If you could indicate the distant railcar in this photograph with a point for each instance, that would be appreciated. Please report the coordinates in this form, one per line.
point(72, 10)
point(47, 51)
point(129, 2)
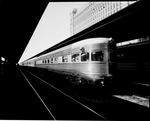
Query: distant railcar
point(90, 60)
point(29, 63)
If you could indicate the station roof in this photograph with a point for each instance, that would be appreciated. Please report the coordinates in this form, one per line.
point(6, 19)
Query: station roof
point(20, 19)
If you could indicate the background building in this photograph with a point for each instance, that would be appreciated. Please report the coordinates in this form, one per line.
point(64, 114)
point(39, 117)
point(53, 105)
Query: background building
point(92, 13)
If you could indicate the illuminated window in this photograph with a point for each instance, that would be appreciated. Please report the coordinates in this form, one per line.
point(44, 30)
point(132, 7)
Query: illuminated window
point(2, 59)
point(97, 56)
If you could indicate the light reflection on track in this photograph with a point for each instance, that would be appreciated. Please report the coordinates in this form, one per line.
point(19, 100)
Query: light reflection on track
point(67, 95)
point(134, 99)
point(141, 83)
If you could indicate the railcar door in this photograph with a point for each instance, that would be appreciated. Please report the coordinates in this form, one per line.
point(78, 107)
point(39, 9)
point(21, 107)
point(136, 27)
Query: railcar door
point(112, 58)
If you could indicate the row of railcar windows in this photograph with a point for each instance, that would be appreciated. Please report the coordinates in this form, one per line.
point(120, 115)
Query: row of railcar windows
point(78, 57)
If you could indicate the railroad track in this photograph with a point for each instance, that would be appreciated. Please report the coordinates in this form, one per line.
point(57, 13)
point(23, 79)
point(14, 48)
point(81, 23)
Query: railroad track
point(107, 105)
point(60, 105)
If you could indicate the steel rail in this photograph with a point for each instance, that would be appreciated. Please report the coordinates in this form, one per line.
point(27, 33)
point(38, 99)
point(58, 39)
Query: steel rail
point(68, 96)
point(38, 96)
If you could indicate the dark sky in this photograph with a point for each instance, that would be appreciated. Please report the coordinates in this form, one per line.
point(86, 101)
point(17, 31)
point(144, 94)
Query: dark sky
point(18, 22)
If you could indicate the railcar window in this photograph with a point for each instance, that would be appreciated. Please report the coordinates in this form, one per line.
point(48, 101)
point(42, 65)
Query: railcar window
point(64, 59)
point(55, 60)
point(75, 58)
point(97, 56)
point(85, 56)
point(51, 60)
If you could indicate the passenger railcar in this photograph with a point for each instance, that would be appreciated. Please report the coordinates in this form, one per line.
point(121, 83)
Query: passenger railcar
point(90, 60)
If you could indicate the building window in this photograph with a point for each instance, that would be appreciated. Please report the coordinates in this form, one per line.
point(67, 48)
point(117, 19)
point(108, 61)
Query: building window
point(97, 56)
point(85, 56)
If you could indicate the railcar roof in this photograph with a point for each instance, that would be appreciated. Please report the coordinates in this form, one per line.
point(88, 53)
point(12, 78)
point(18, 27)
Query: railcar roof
point(91, 41)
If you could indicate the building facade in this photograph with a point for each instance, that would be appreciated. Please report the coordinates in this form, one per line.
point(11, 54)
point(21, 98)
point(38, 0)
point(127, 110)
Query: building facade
point(92, 13)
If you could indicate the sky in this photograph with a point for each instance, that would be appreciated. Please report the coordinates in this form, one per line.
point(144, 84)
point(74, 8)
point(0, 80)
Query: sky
point(53, 27)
